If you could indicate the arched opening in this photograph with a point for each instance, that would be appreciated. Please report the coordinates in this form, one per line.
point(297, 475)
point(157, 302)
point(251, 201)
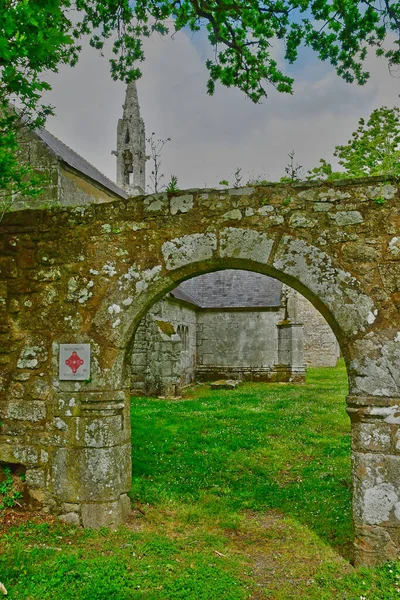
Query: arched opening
point(343, 306)
point(330, 243)
point(345, 302)
point(128, 167)
point(264, 451)
point(229, 324)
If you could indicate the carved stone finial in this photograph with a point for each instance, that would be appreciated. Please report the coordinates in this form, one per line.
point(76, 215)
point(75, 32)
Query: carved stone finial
point(289, 303)
point(284, 302)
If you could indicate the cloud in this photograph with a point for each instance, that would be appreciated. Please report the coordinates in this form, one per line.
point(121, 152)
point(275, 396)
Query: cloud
point(211, 136)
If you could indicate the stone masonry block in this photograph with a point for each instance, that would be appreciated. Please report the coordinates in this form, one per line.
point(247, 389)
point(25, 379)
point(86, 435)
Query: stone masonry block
point(371, 437)
point(23, 410)
point(91, 474)
point(35, 478)
point(107, 514)
point(247, 244)
point(376, 498)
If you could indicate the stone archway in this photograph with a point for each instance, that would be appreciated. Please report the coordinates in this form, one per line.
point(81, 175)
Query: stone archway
point(88, 275)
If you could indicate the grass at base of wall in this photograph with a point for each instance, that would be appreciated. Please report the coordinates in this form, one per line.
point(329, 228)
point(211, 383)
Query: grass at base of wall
point(241, 494)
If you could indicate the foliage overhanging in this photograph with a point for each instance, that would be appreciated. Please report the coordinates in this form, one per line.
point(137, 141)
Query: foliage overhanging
point(374, 149)
point(36, 36)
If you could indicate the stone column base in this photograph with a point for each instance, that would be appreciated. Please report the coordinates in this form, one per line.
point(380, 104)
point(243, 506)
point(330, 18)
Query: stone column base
point(376, 478)
point(98, 514)
point(374, 545)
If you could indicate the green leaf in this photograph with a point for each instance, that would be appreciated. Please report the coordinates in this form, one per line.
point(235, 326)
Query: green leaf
point(36, 38)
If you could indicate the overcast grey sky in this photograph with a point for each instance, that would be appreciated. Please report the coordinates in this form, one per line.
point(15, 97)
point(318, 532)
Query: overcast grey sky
point(211, 136)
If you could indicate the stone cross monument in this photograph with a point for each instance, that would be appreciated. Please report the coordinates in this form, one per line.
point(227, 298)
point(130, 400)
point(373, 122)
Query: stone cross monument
point(131, 145)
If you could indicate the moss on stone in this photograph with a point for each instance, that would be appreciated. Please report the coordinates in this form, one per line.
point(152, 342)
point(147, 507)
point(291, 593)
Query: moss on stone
point(166, 327)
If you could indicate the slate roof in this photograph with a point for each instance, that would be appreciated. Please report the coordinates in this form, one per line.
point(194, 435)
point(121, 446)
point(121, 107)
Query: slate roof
point(78, 163)
point(231, 288)
point(181, 294)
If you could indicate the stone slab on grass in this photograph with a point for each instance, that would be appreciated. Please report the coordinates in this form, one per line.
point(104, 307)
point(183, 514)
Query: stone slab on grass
point(225, 384)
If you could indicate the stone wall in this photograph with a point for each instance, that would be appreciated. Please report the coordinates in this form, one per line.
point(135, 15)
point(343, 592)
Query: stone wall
point(321, 348)
point(88, 274)
point(175, 343)
point(44, 162)
point(76, 190)
point(62, 184)
point(236, 344)
point(164, 349)
point(232, 341)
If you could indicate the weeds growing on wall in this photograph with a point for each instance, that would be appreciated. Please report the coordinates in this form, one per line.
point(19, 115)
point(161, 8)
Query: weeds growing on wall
point(8, 495)
point(172, 186)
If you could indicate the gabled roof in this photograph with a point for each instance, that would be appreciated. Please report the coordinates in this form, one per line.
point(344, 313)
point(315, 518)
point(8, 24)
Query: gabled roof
point(231, 288)
point(72, 159)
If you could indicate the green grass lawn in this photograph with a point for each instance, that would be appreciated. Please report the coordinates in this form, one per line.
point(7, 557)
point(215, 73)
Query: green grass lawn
point(236, 494)
point(218, 454)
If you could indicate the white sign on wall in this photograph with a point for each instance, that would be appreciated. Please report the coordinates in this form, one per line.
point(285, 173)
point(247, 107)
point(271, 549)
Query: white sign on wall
point(74, 362)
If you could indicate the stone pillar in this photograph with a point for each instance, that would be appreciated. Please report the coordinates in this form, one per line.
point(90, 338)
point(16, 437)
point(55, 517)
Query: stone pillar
point(169, 365)
point(290, 365)
point(91, 470)
point(376, 478)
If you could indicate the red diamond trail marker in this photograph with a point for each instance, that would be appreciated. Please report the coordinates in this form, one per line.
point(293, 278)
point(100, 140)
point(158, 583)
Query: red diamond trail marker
point(74, 362)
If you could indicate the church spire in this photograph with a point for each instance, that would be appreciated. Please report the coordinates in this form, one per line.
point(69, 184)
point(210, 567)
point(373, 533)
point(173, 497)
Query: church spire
point(131, 145)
